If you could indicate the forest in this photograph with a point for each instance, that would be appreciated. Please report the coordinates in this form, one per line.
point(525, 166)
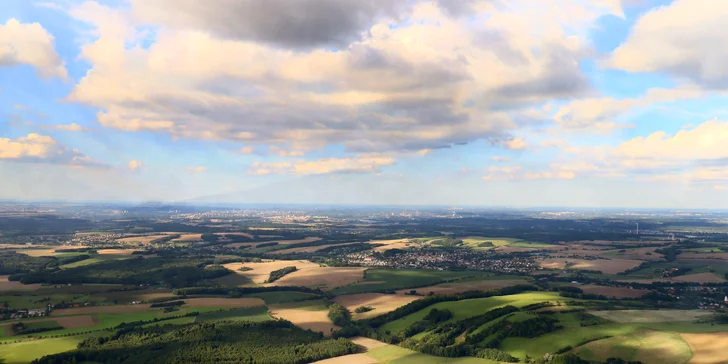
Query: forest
point(221, 342)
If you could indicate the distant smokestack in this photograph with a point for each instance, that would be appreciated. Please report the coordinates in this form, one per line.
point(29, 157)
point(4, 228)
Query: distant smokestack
point(638, 228)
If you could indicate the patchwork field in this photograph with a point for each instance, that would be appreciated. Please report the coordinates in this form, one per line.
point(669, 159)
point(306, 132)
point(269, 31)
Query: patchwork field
point(617, 292)
point(311, 315)
point(393, 279)
point(708, 348)
point(607, 266)
point(261, 271)
point(647, 346)
point(718, 256)
point(391, 244)
point(467, 285)
point(223, 302)
point(698, 277)
point(117, 251)
point(188, 237)
point(308, 249)
point(642, 316)
point(382, 303)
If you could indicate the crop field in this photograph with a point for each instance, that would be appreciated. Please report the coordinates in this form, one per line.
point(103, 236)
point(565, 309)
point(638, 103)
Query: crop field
point(259, 313)
point(469, 285)
point(116, 251)
point(233, 280)
point(617, 292)
point(188, 237)
point(223, 302)
point(394, 279)
point(308, 249)
point(472, 307)
point(647, 346)
point(708, 348)
point(6, 285)
point(381, 303)
point(473, 241)
point(271, 298)
point(379, 352)
point(261, 271)
point(611, 266)
point(26, 351)
point(641, 316)
point(311, 315)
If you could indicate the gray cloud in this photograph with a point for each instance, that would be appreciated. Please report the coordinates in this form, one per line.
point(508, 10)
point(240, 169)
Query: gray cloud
point(298, 24)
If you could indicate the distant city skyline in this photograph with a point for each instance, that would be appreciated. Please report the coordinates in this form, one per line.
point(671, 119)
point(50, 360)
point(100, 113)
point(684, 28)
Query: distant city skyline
point(515, 103)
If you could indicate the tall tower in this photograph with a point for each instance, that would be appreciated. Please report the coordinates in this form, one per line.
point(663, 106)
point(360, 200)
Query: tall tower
point(638, 228)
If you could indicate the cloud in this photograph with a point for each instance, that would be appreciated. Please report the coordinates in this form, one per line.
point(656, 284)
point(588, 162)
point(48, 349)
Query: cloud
point(301, 24)
point(517, 143)
point(196, 169)
point(517, 173)
point(358, 164)
point(500, 159)
point(598, 114)
point(247, 150)
point(70, 127)
point(135, 165)
point(399, 85)
point(276, 150)
point(685, 39)
point(36, 148)
point(30, 44)
point(719, 187)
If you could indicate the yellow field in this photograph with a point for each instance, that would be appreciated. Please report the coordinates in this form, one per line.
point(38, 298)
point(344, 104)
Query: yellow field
point(308, 274)
point(188, 237)
point(382, 303)
point(309, 315)
point(708, 348)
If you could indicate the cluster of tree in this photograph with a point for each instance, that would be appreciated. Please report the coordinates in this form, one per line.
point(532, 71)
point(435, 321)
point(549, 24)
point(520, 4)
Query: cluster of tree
point(168, 271)
point(437, 316)
point(339, 315)
point(449, 242)
point(20, 328)
point(495, 354)
point(486, 244)
point(167, 304)
point(223, 342)
point(670, 252)
point(13, 263)
point(362, 309)
point(279, 273)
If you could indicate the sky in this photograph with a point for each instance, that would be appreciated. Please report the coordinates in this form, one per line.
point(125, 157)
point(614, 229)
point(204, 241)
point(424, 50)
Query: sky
point(589, 103)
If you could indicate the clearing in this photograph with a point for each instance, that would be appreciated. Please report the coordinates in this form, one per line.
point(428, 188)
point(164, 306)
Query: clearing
point(642, 316)
point(382, 303)
point(708, 348)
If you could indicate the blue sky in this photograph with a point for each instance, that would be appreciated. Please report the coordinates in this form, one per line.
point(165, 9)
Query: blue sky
point(570, 103)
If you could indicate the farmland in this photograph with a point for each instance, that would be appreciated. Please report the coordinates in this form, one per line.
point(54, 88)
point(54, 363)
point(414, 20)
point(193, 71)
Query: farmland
point(389, 279)
point(708, 348)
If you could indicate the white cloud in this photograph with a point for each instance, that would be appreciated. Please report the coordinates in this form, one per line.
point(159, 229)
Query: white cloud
point(358, 164)
point(70, 127)
point(685, 38)
point(36, 148)
point(279, 151)
point(196, 169)
point(135, 165)
point(499, 159)
point(517, 143)
point(31, 44)
point(393, 89)
point(247, 150)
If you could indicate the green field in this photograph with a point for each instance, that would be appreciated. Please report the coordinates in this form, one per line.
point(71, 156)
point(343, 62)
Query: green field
point(281, 297)
point(472, 307)
point(259, 313)
point(98, 258)
point(642, 345)
point(528, 244)
point(393, 279)
point(26, 351)
point(473, 241)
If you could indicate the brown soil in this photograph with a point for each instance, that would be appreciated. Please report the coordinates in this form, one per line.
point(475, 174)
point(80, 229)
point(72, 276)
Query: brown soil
point(308, 274)
point(6, 285)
